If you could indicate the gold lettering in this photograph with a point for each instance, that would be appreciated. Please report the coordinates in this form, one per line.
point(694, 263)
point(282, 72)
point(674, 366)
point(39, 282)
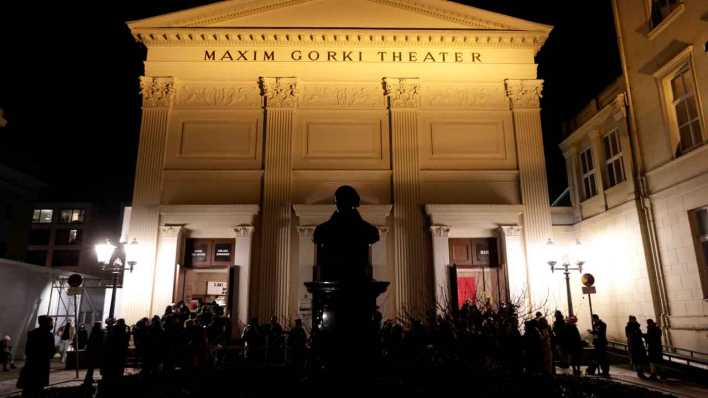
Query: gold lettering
point(209, 56)
point(429, 58)
point(397, 56)
point(361, 56)
point(347, 56)
point(443, 55)
point(412, 56)
point(313, 55)
point(331, 56)
point(458, 57)
point(296, 55)
point(269, 56)
point(381, 55)
point(227, 54)
point(476, 57)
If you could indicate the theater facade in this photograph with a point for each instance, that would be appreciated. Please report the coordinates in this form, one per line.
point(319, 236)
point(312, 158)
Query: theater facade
point(254, 112)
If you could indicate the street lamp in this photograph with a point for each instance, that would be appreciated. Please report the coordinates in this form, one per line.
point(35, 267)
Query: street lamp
point(115, 261)
point(572, 261)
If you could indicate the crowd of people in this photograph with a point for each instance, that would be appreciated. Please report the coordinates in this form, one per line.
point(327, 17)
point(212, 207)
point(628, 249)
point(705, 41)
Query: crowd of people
point(477, 337)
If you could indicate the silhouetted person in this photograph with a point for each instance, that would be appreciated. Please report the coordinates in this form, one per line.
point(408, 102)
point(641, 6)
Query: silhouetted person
point(573, 344)
point(297, 339)
point(115, 351)
point(140, 339)
point(343, 241)
point(275, 341)
point(546, 335)
point(559, 330)
point(82, 337)
point(39, 350)
point(599, 341)
point(533, 350)
point(94, 348)
point(654, 347)
point(155, 345)
point(254, 341)
point(635, 346)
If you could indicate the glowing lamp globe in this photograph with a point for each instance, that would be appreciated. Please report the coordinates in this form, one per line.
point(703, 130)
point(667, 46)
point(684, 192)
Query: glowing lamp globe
point(104, 252)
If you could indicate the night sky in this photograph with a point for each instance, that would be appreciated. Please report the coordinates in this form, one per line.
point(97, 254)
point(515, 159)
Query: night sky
point(69, 85)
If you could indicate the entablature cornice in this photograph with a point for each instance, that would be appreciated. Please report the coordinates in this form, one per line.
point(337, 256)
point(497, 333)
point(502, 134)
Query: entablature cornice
point(612, 112)
point(321, 37)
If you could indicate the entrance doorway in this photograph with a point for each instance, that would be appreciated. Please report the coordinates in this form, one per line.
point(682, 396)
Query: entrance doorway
point(478, 277)
point(205, 276)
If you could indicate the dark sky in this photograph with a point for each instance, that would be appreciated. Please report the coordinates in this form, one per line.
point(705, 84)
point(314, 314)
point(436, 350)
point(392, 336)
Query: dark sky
point(69, 85)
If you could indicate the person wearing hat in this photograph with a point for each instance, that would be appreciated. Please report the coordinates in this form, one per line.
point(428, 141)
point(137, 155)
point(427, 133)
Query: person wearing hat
point(573, 344)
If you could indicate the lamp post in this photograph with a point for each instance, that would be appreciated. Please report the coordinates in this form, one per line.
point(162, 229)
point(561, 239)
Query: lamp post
point(567, 265)
point(115, 261)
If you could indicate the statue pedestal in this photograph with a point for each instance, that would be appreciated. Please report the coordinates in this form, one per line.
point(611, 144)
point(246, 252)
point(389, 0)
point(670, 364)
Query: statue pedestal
point(344, 325)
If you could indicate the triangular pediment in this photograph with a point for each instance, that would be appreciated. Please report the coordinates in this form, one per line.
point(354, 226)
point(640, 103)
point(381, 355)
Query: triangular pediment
point(340, 14)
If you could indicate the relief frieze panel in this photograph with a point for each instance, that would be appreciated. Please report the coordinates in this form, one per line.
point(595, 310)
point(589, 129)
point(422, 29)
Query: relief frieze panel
point(215, 95)
point(342, 96)
point(464, 97)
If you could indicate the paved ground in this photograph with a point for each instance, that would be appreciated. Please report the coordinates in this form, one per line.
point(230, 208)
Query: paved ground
point(680, 388)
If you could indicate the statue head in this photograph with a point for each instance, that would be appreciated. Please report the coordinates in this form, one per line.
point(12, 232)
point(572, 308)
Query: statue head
point(346, 198)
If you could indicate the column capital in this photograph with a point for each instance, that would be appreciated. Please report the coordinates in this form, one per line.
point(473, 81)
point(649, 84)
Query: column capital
point(511, 230)
point(306, 231)
point(243, 230)
point(402, 92)
point(171, 230)
point(279, 92)
point(524, 94)
point(440, 231)
point(157, 92)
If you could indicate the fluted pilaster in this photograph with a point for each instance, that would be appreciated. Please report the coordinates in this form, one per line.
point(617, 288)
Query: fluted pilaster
point(279, 98)
point(157, 93)
point(524, 98)
point(411, 274)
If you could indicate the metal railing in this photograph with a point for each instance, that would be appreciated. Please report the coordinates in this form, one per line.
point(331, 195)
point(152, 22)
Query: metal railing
point(691, 358)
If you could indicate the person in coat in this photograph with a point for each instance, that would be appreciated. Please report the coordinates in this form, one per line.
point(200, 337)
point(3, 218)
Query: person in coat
point(635, 346)
point(39, 350)
point(654, 347)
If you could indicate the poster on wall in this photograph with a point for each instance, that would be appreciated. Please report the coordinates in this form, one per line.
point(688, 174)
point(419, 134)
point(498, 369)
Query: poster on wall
point(223, 252)
point(216, 288)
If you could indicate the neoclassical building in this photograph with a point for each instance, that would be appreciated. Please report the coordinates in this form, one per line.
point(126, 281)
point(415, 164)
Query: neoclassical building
point(254, 112)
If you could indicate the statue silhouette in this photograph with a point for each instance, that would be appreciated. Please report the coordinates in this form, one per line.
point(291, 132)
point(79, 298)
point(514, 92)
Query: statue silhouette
point(343, 241)
point(344, 292)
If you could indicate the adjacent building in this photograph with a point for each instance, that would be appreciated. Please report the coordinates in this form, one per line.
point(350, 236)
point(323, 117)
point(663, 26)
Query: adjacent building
point(17, 192)
point(638, 174)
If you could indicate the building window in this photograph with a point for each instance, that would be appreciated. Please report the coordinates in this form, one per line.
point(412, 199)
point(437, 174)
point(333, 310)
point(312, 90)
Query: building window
point(42, 216)
point(69, 216)
point(65, 258)
point(685, 106)
point(588, 174)
point(38, 257)
point(699, 227)
point(614, 165)
point(39, 237)
point(67, 237)
point(660, 9)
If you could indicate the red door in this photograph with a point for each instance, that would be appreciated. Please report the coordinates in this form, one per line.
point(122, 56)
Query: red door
point(466, 289)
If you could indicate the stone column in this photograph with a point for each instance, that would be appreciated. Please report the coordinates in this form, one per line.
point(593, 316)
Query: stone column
point(441, 260)
point(136, 294)
point(242, 259)
point(411, 275)
point(524, 100)
point(165, 267)
point(279, 99)
point(512, 246)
